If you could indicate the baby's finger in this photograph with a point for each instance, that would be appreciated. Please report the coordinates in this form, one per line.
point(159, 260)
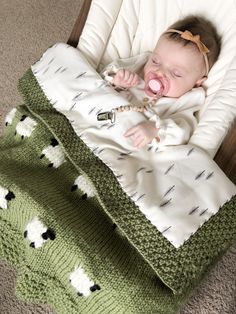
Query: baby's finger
point(120, 73)
point(130, 78)
point(118, 77)
point(139, 142)
point(136, 79)
point(127, 76)
point(129, 81)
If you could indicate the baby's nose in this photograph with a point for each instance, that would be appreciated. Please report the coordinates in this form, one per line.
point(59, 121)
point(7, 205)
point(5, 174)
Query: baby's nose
point(160, 71)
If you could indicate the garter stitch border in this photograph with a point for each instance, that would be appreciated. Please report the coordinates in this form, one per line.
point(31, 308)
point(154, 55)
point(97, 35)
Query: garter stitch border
point(176, 267)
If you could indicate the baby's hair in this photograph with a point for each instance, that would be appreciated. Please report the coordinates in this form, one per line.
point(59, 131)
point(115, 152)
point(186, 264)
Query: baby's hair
point(198, 25)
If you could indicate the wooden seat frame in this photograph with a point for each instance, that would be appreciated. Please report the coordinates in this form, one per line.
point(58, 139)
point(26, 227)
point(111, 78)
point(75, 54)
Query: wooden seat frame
point(226, 155)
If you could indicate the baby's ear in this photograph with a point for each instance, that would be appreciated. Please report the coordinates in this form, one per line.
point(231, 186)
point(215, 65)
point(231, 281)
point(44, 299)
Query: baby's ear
point(200, 81)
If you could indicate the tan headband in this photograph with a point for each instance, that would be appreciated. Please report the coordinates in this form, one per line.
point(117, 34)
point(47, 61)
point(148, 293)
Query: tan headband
point(196, 40)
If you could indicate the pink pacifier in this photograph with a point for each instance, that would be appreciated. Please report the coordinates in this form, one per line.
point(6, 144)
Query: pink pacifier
point(155, 86)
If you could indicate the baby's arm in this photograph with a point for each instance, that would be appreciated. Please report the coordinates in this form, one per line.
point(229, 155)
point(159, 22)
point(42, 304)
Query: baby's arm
point(131, 64)
point(165, 132)
point(175, 128)
point(125, 79)
point(143, 133)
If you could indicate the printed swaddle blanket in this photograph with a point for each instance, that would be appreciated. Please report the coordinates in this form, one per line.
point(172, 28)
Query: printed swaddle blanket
point(176, 188)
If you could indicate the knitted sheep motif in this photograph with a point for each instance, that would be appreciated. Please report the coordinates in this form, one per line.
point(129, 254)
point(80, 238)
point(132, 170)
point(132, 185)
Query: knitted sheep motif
point(37, 233)
point(5, 197)
point(10, 116)
point(82, 283)
point(84, 185)
point(25, 126)
point(54, 154)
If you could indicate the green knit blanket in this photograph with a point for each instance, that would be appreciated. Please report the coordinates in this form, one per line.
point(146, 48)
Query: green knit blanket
point(98, 253)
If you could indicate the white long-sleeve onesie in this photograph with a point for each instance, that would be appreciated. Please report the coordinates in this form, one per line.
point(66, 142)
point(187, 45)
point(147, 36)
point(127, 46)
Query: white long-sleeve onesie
point(174, 117)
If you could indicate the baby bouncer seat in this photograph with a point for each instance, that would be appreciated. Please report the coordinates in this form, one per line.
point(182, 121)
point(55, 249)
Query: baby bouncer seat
point(108, 31)
point(86, 232)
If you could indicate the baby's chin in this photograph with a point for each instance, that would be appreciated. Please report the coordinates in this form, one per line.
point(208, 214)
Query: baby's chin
point(169, 94)
point(149, 93)
point(172, 94)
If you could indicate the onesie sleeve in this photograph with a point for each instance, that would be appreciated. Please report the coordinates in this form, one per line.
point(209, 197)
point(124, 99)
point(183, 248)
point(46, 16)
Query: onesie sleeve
point(177, 127)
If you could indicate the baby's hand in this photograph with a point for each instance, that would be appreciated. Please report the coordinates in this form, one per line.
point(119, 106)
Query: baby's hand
point(125, 78)
point(142, 134)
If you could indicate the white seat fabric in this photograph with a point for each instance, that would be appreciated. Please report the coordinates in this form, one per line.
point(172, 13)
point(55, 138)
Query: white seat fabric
point(124, 28)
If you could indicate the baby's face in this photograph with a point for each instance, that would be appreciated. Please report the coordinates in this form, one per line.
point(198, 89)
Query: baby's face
point(179, 68)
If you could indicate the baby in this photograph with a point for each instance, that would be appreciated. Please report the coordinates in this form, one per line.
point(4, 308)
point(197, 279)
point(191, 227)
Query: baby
point(180, 62)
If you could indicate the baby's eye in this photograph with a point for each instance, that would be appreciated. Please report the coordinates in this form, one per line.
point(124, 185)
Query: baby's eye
point(176, 74)
point(155, 62)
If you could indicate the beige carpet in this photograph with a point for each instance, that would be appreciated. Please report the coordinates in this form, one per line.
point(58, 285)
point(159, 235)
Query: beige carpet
point(27, 29)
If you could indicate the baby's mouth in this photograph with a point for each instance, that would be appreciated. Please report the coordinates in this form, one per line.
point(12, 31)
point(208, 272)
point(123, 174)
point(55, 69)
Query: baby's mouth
point(156, 87)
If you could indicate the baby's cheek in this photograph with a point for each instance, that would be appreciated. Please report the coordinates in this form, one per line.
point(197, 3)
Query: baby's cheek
point(175, 90)
point(147, 69)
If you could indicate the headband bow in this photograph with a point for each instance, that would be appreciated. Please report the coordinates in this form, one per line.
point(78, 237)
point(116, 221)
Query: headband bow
point(196, 40)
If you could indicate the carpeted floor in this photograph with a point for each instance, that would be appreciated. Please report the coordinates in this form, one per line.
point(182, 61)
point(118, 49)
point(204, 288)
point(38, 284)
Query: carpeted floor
point(27, 29)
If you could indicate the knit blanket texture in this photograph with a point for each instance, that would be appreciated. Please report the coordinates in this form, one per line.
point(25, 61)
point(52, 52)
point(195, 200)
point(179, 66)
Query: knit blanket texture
point(79, 243)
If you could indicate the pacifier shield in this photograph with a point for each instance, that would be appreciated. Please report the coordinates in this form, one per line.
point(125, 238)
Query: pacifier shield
point(155, 85)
